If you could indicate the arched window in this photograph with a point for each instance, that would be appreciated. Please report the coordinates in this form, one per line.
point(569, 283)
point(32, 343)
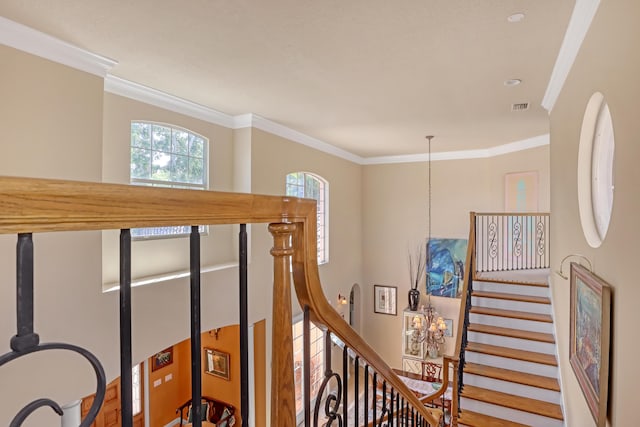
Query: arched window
point(310, 186)
point(164, 155)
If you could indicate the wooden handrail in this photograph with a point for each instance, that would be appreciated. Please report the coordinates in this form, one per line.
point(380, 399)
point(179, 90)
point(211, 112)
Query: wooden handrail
point(511, 214)
point(468, 264)
point(41, 205)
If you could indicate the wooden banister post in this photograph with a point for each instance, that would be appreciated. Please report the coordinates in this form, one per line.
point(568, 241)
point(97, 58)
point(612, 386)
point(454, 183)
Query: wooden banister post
point(455, 398)
point(283, 401)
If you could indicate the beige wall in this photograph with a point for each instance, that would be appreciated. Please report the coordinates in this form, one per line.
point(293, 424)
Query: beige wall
point(395, 216)
point(609, 62)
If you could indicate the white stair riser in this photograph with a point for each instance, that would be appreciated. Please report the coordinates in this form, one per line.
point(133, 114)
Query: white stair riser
point(507, 322)
point(537, 291)
point(509, 342)
point(522, 417)
point(512, 364)
point(513, 388)
point(529, 307)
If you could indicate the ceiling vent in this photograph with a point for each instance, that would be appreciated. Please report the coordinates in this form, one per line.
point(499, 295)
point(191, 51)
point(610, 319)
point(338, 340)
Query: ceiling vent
point(524, 106)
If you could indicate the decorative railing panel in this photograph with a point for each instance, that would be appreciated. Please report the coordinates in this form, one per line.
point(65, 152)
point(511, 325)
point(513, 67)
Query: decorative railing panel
point(511, 241)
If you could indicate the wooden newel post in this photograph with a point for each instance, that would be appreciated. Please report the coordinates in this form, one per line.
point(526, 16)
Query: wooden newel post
point(283, 400)
point(455, 404)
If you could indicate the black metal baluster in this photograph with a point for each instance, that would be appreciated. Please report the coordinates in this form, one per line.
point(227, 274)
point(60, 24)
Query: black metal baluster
point(356, 390)
point(25, 337)
point(366, 394)
point(391, 403)
point(244, 327)
point(374, 402)
point(345, 383)
point(126, 400)
point(26, 341)
point(384, 410)
point(196, 369)
point(306, 365)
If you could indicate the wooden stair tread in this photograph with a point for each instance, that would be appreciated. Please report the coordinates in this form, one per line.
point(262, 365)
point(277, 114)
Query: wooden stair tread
point(511, 297)
point(513, 333)
point(511, 282)
point(528, 356)
point(520, 403)
point(474, 419)
point(537, 317)
point(533, 380)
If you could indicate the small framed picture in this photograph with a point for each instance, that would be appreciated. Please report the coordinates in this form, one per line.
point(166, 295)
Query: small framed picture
point(162, 359)
point(217, 363)
point(384, 299)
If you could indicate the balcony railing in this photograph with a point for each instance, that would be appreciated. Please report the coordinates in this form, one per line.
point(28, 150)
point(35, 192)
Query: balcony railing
point(30, 206)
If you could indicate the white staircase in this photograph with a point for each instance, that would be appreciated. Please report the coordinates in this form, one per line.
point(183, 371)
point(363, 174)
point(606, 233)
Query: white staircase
point(510, 376)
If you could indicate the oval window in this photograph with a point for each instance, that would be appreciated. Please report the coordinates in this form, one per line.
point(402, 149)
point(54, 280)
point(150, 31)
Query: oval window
point(595, 170)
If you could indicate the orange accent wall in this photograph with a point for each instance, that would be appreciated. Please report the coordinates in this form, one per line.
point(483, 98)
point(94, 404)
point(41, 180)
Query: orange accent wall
point(228, 391)
point(167, 396)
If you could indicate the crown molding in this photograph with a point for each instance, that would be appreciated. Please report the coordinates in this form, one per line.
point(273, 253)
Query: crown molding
point(525, 144)
point(138, 92)
point(267, 125)
point(579, 24)
point(27, 39)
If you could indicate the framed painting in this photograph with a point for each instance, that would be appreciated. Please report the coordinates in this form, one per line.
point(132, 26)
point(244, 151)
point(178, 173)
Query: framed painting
point(521, 192)
point(217, 363)
point(384, 299)
point(445, 267)
point(162, 359)
point(590, 338)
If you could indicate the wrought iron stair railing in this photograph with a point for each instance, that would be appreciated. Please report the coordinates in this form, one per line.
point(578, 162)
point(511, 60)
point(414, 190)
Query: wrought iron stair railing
point(497, 242)
point(30, 206)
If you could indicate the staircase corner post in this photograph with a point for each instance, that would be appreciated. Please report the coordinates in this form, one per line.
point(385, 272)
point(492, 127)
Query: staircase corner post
point(283, 404)
point(455, 398)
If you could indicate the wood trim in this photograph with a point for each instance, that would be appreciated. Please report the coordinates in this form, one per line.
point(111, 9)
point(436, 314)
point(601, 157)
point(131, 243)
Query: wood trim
point(512, 214)
point(511, 297)
point(512, 333)
point(525, 315)
point(36, 205)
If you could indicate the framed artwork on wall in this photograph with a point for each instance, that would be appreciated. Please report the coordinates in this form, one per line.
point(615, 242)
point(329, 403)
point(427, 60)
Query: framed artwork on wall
point(217, 363)
point(384, 299)
point(521, 192)
point(162, 359)
point(590, 337)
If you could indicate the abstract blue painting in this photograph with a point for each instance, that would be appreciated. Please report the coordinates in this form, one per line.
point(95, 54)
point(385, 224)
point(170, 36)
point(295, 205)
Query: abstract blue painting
point(445, 266)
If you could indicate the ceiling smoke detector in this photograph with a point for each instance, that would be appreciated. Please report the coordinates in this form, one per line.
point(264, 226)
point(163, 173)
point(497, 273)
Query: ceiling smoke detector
point(523, 106)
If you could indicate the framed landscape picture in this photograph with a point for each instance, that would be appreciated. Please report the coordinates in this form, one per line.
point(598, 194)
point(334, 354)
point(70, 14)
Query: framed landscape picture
point(590, 337)
point(162, 359)
point(217, 363)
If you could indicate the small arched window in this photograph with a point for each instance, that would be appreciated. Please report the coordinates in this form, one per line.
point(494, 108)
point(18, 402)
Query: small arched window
point(310, 186)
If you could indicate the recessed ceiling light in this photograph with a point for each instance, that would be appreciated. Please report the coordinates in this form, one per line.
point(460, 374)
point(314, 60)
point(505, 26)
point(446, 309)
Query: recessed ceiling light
point(512, 82)
point(516, 17)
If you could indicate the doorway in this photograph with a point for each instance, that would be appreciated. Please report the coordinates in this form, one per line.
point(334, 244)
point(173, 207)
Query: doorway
point(355, 302)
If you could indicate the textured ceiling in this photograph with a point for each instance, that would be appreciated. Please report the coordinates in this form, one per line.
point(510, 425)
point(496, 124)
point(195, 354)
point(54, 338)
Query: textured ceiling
point(372, 77)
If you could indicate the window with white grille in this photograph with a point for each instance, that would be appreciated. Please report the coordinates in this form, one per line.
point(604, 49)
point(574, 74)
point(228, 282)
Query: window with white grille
point(310, 186)
point(163, 155)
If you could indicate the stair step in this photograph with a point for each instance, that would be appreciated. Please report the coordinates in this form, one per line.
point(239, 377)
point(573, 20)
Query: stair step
point(474, 419)
point(514, 333)
point(538, 317)
point(512, 281)
point(528, 356)
point(511, 297)
point(533, 406)
point(512, 376)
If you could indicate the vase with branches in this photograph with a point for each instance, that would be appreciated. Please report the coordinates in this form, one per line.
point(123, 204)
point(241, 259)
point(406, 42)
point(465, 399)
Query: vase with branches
point(417, 258)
